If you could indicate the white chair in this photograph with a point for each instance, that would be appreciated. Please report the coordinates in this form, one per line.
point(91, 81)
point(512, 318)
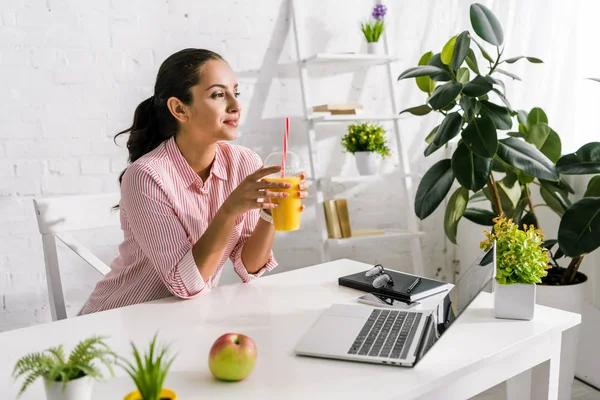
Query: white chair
point(57, 217)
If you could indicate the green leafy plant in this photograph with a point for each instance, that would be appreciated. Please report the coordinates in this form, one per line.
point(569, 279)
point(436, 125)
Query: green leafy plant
point(52, 365)
point(520, 254)
point(579, 230)
point(474, 106)
point(373, 30)
point(366, 137)
point(149, 370)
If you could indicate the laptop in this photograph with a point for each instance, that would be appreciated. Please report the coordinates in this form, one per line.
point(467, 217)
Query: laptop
point(397, 337)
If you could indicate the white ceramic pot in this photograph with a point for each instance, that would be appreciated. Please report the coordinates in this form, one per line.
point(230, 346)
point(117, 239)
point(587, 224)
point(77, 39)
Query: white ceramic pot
point(367, 162)
point(568, 298)
point(374, 47)
point(514, 301)
point(77, 389)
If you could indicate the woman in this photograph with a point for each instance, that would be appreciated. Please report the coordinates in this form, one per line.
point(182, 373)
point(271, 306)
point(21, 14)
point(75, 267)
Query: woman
point(189, 201)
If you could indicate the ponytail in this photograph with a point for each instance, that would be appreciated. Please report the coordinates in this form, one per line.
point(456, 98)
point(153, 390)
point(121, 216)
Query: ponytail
point(144, 133)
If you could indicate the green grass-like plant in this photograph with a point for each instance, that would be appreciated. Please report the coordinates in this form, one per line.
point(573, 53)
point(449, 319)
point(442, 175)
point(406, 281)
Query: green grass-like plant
point(520, 255)
point(372, 30)
point(149, 370)
point(366, 137)
point(52, 365)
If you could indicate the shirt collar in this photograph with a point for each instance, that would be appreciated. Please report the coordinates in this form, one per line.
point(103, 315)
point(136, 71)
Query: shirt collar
point(219, 168)
point(187, 173)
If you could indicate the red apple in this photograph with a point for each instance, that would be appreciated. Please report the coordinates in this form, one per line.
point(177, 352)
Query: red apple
point(232, 357)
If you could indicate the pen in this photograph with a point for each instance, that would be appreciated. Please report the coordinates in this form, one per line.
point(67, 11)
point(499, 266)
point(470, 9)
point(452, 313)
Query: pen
point(412, 286)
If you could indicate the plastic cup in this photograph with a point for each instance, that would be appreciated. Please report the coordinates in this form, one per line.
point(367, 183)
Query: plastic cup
point(286, 216)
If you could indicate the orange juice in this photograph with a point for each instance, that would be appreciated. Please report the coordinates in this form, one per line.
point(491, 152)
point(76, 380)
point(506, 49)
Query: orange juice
point(286, 216)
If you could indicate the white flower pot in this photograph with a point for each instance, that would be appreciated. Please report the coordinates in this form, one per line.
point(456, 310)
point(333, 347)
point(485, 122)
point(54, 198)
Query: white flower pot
point(375, 48)
point(515, 301)
point(77, 389)
point(367, 162)
point(568, 298)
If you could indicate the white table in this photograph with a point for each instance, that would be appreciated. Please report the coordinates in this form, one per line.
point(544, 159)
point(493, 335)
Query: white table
point(478, 352)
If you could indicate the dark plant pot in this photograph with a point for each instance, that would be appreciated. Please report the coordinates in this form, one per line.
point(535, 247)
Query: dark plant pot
point(555, 275)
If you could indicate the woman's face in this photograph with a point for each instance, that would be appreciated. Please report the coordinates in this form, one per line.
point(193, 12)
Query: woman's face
point(215, 110)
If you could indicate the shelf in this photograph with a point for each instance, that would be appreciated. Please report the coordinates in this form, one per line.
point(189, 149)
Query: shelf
point(352, 117)
point(349, 58)
point(367, 178)
point(388, 233)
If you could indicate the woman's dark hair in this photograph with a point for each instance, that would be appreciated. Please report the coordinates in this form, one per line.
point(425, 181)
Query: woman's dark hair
point(153, 123)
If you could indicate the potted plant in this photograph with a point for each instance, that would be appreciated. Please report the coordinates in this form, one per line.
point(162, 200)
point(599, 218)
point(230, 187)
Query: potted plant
point(476, 109)
point(499, 171)
point(148, 372)
point(372, 30)
point(66, 378)
point(521, 263)
point(367, 142)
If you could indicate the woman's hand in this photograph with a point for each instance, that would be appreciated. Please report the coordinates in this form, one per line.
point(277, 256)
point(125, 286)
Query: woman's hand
point(303, 189)
point(254, 193)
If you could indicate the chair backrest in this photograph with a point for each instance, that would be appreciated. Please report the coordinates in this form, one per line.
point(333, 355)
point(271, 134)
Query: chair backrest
point(57, 217)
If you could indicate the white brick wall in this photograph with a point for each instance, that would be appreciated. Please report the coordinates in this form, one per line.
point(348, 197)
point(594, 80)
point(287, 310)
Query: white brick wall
point(72, 73)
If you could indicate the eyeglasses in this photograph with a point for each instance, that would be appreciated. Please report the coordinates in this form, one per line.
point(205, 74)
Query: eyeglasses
point(381, 278)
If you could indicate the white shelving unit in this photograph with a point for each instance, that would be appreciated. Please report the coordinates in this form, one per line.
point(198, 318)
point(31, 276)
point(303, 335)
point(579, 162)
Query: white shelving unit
point(320, 119)
point(350, 58)
point(410, 232)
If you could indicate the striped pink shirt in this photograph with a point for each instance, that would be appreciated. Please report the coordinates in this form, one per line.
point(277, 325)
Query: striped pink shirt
point(165, 208)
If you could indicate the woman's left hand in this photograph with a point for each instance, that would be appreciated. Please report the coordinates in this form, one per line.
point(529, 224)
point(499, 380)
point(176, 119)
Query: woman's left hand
point(304, 185)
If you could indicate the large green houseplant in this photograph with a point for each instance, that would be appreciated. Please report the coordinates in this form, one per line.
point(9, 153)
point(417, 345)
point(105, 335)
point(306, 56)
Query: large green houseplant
point(579, 230)
point(499, 171)
point(473, 104)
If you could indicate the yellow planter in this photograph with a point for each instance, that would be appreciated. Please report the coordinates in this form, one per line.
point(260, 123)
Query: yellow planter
point(164, 394)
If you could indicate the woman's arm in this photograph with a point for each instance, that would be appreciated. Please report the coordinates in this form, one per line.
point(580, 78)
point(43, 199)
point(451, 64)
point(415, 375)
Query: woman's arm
point(209, 249)
point(257, 249)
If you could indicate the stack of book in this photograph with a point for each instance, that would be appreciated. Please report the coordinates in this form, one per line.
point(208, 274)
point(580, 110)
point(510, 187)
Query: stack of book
point(339, 109)
point(337, 219)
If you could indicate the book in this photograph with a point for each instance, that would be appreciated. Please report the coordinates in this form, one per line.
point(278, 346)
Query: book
point(337, 107)
point(402, 281)
point(341, 206)
point(367, 232)
point(356, 111)
point(334, 230)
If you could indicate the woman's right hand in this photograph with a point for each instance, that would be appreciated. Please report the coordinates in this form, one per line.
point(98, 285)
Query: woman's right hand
point(253, 192)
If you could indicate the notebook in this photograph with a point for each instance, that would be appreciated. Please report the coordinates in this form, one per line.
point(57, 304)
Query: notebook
point(402, 281)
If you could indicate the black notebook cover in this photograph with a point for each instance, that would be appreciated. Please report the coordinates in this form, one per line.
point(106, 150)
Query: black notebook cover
point(425, 288)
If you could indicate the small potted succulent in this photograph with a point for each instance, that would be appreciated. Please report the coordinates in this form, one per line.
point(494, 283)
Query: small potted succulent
point(373, 29)
point(368, 144)
point(521, 263)
point(66, 378)
point(148, 372)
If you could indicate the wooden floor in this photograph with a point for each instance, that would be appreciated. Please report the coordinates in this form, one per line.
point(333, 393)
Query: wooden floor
point(581, 391)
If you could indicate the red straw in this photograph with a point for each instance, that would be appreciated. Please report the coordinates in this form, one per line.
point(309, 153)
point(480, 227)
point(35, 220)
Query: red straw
point(285, 142)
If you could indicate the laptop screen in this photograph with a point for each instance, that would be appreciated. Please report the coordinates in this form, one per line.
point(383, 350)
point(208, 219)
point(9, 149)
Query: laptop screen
point(473, 281)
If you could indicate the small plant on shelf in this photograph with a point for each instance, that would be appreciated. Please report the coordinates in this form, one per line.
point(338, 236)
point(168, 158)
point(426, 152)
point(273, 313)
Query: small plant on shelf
point(373, 29)
point(366, 137)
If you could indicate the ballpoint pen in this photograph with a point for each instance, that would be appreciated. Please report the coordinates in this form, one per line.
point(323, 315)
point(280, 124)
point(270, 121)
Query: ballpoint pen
point(412, 286)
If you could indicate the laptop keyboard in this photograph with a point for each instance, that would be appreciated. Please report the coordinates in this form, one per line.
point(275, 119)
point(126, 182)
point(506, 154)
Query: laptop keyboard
point(385, 334)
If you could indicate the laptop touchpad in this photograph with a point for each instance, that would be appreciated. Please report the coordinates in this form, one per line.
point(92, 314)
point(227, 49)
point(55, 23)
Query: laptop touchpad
point(331, 335)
